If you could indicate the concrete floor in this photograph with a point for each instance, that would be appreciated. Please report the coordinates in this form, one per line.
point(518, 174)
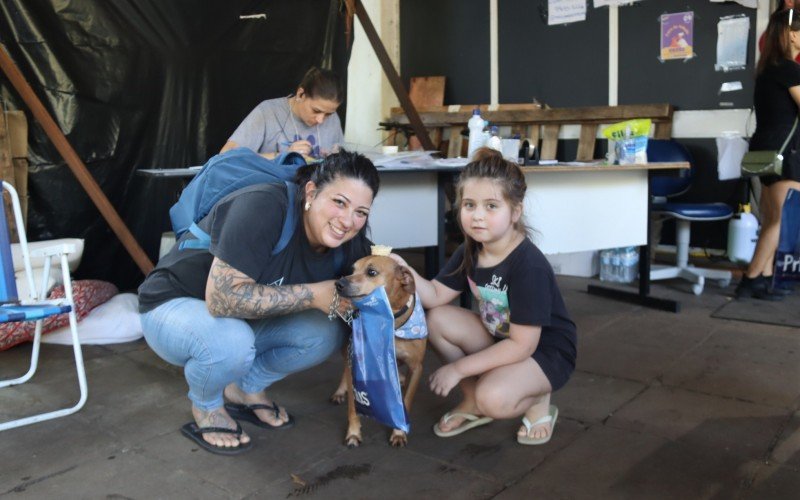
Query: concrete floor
point(661, 406)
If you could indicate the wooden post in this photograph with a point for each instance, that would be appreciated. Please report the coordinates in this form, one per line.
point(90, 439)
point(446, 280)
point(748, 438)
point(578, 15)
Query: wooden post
point(394, 78)
point(75, 164)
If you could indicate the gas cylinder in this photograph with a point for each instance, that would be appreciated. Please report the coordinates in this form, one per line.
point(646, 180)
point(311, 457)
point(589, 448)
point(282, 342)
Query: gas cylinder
point(742, 235)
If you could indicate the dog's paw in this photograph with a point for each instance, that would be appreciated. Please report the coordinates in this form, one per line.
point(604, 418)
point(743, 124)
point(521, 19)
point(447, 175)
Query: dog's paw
point(353, 440)
point(398, 439)
point(338, 398)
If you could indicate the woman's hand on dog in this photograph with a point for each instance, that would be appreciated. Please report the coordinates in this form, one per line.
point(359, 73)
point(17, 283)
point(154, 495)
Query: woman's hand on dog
point(444, 379)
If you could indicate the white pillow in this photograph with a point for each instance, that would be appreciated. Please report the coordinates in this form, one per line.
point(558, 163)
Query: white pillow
point(114, 322)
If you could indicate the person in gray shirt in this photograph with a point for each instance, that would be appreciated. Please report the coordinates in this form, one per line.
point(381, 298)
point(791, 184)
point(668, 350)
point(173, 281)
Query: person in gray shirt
point(305, 122)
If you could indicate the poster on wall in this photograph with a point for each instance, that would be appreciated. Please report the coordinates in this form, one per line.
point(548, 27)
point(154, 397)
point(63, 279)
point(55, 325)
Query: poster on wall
point(565, 11)
point(677, 32)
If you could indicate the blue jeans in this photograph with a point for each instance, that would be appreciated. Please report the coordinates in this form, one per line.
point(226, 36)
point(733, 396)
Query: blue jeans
point(252, 353)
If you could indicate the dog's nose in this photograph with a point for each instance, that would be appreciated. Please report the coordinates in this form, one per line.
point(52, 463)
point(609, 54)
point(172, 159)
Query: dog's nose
point(340, 285)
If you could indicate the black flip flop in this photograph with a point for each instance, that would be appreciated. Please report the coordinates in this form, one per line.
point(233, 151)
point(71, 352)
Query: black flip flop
point(195, 433)
point(245, 412)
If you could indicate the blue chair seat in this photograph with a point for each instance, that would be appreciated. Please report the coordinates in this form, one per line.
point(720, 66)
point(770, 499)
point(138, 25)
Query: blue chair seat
point(685, 213)
point(12, 314)
point(695, 211)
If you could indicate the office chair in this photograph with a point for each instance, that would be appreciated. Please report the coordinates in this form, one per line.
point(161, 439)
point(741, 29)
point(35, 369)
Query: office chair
point(664, 187)
point(35, 308)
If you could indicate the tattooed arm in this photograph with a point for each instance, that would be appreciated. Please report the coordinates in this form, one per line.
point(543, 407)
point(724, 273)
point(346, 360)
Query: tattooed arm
point(231, 293)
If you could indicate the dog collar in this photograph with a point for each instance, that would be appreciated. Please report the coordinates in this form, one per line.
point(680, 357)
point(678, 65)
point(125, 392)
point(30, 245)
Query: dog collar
point(405, 308)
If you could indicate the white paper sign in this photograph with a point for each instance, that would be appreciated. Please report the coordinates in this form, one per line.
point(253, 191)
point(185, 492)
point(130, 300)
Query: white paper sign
point(565, 11)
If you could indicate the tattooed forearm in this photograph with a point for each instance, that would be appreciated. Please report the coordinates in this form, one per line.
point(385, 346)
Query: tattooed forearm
point(233, 294)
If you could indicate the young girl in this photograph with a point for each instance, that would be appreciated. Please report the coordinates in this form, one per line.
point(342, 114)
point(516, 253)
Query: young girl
point(511, 356)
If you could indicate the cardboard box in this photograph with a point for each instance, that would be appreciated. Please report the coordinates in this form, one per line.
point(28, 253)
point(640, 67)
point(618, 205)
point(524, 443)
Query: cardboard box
point(581, 264)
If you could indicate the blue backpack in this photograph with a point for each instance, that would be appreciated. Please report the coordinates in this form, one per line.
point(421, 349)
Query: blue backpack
point(225, 173)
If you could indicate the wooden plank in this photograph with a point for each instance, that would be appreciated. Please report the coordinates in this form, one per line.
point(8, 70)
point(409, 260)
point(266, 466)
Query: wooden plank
point(454, 147)
point(550, 142)
point(7, 174)
point(426, 91)
point(586, 142)
point(528, 113)
point(663, 130)
point(533, 135)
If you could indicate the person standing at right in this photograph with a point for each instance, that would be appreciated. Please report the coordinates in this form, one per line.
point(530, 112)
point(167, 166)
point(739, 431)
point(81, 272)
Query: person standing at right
point(776, 101)
point(782, 5)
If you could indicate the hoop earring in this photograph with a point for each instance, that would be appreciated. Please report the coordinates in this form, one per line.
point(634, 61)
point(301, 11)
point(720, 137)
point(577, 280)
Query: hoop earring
point(307, 206)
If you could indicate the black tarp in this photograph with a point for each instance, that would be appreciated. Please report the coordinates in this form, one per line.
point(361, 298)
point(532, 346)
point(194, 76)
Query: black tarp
point(140, 84)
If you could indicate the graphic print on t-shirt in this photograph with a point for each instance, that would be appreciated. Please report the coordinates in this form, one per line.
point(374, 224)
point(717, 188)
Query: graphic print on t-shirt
point(493, 305)
point(314, 146)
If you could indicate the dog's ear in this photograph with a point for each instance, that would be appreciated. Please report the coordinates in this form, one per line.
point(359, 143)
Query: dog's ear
point(406, 279)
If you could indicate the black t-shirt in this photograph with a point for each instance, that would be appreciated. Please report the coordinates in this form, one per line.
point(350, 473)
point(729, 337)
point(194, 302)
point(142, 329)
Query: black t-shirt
point(245, 227)
point(775, 107)
point(521, 289)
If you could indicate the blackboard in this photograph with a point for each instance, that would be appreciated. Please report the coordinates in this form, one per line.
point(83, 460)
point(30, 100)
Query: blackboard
point(447, 38)
point(562, 65)
point(686, 84)
point(567, 65)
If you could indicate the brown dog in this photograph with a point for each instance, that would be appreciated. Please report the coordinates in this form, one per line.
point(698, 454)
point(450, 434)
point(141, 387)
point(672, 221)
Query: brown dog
point(368, 274)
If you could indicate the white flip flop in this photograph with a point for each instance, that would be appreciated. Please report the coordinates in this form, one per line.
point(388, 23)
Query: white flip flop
point(550, 418)
point(470, 422)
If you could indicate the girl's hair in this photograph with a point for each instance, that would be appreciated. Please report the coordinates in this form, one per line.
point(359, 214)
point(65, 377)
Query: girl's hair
point(322, 84)
point(341, 165)
point(490, 164)
point(777, 45)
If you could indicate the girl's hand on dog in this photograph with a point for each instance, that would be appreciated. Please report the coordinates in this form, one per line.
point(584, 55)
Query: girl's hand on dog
point(444, 379)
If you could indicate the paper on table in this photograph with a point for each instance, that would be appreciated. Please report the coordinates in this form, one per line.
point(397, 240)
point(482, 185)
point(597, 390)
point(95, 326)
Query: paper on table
point(451, 162)
point(405, 159)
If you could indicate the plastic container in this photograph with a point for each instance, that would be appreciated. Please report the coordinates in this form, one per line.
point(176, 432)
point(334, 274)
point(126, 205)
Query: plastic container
point(494, 141)
point(476, 139)
point(629, 268)
point(742, 236)
point(619, 265)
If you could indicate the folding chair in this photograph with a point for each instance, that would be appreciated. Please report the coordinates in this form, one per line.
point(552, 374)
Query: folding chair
point(35, 309)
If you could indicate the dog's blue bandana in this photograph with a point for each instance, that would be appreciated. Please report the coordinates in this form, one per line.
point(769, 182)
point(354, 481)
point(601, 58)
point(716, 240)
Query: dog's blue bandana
point(415, 327)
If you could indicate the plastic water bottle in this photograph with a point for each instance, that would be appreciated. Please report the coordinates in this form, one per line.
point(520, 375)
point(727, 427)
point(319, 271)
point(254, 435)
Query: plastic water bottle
point(616, 265)
point(630, 261)
point(742, 235)
point(605, 265)
point(475, 125)
point(494, 141)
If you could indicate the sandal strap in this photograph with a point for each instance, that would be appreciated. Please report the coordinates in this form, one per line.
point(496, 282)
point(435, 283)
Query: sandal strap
point(260, 406)
point(457, 414)
point(223, 430)
point(543, 420)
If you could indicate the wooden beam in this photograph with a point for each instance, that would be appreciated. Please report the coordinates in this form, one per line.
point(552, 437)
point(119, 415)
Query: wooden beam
point(394, 78)
point(514, 113)
point(73, 160)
